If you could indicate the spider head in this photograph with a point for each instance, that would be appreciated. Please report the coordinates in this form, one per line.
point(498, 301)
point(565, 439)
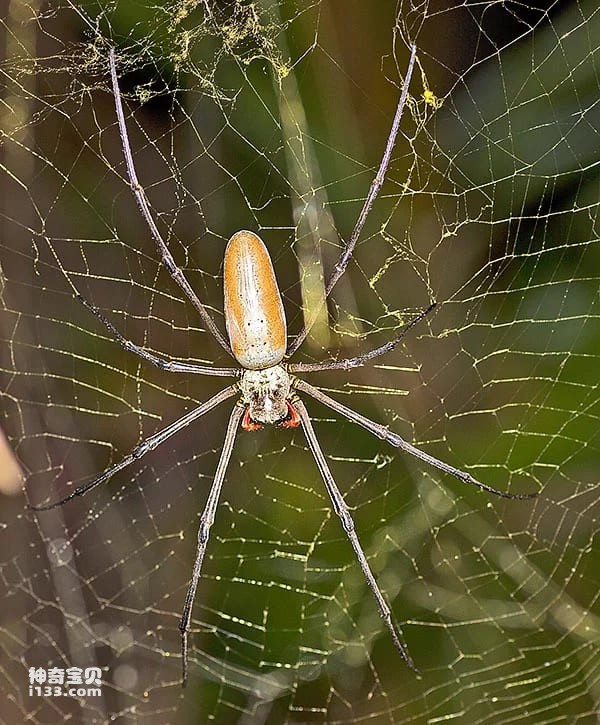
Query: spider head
point(265, 392)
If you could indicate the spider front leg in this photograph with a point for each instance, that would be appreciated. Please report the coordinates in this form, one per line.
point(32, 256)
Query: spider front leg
point(171, 366)
point(138, 191)
point(355, 362)
point(376, 184)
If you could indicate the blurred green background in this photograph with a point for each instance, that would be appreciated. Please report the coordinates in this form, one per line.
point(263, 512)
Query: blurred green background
point(273, 117)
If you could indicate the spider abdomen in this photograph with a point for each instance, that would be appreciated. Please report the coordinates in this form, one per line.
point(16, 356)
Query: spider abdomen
point(254, 313)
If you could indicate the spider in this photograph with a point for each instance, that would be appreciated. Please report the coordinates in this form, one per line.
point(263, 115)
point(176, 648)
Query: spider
point(267, 388)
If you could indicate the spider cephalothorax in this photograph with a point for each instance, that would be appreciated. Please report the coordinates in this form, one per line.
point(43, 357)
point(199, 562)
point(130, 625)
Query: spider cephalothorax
point(266, 393)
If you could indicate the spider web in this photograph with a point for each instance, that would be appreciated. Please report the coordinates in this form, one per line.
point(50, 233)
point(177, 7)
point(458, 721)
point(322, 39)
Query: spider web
point(273, 117)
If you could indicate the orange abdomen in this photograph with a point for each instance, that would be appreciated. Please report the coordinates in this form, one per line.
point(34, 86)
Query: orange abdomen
point(254, 313)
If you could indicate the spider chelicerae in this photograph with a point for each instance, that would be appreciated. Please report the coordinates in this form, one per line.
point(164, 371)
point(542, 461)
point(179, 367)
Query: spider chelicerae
point(266, 387)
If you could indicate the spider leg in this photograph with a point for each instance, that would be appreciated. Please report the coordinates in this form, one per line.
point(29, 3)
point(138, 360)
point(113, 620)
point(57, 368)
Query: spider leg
point(340, 508)
point(377, 183)
point(206, 521)
point(145, 446)
point(173, 366)
point(140, 197)
point(354, 362)
point(394, 439)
